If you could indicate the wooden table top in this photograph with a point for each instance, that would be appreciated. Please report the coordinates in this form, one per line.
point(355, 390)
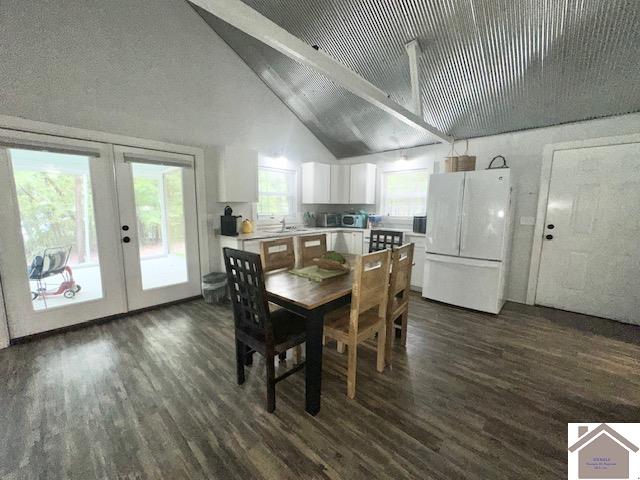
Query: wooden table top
point(307, 293)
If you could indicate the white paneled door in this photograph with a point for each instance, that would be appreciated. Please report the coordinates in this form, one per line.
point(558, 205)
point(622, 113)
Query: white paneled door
point(158, 225)
point(91, 230)
point(590, 259)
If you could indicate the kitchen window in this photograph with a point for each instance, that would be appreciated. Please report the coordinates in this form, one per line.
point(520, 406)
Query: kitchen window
point(404, 194)
point(277, 194)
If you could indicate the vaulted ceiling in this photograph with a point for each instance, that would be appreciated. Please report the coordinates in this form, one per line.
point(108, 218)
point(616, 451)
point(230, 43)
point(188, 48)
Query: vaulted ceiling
point(486, 67)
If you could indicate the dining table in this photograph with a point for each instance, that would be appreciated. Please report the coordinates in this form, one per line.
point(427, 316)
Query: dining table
point(312, 300)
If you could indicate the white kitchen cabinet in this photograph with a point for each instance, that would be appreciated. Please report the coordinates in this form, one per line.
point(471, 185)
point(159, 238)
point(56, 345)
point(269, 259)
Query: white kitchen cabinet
point(316, 182)
point(348, 242)
point(362, 184)
point(340, 178)
point(417, 272)
point(237, 175)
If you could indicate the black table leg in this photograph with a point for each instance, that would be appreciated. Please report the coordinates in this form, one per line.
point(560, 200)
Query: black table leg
point(313, 368)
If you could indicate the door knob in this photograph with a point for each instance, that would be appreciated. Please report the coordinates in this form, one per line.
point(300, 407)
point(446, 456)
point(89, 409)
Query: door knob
point(125, 227)
point(549, 237)
point(551, 226)
point(126, 239)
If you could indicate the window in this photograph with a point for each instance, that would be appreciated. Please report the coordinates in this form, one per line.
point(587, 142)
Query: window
point(276, 193)
point(404, 194)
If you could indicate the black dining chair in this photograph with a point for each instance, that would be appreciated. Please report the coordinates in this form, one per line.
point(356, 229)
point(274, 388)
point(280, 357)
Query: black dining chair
point(256, 328)
point(384, 239)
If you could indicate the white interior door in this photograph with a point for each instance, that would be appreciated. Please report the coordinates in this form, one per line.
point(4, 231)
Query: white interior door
point(158, 225)
point(444, 208)
point(485, 209)
point(60, 256)
point(590, 259)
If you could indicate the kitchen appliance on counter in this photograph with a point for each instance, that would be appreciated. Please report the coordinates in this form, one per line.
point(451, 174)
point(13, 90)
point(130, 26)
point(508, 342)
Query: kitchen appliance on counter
point(420, 224)
point(328, 220)
point(229, 223)
point(468, 239)
point(353, 220)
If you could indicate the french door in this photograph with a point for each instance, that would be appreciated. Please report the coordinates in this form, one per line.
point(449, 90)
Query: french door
point(158, 225)
point(91, 230)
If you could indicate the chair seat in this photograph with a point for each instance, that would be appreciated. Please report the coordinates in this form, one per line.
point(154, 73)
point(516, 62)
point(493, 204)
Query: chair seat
point(336, 323)
point(289, 329)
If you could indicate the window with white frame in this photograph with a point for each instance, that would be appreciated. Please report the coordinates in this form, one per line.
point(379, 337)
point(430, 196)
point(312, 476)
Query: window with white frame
point(404, 193)
point(277, 193)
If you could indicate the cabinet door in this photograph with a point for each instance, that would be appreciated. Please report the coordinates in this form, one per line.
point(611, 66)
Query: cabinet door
point(417, 271)
point(316, 179)
point(356, 243)
point(362, 184)
point(340, 178)
point(342, 242)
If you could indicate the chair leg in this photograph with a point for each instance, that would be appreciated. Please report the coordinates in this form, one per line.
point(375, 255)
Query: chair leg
point(403, 337)
point(324, 340)
point(248, 359)
point(340, 347)
point(351, 369)
point(297, 354)
point(389, 339)
point(382, 342)
point(271, 384)
point(398, 327)
point(240, 359)
point(282, 356)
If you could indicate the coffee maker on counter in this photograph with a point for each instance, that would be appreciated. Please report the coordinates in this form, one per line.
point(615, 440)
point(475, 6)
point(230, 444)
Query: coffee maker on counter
point(229, 223)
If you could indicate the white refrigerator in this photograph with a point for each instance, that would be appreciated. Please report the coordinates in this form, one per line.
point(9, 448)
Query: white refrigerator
point(468, 238)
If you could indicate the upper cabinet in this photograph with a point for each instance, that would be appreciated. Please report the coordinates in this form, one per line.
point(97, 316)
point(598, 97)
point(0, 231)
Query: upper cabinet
point(362, 184)
point(237, 175)
point(339, 184)
point(340, 175)
point(316, 181)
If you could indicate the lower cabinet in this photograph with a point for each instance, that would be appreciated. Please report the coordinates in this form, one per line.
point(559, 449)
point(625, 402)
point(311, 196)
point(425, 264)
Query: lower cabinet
point(346, 242)
point(417, 272)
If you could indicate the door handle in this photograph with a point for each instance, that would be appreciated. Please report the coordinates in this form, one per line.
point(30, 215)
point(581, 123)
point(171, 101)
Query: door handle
point(549, 237)
point(125, 227)
point(551, 226)
point(126, 239)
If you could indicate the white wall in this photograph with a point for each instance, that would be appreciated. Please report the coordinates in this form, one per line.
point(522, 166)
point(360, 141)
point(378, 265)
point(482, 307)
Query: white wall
point(145, 68)
point(523, 151)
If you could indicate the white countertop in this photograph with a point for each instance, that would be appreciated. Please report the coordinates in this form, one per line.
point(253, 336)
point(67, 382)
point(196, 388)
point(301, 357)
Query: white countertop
point(257, 235)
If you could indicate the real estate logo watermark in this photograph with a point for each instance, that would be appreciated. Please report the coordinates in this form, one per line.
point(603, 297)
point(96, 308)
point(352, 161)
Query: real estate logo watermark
point(601, 450)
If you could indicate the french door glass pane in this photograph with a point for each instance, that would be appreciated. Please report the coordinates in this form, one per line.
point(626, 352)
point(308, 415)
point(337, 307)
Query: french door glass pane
point(161, 230)
point(58, 227)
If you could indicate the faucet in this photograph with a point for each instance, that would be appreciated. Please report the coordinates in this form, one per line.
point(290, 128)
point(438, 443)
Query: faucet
point(284, 224)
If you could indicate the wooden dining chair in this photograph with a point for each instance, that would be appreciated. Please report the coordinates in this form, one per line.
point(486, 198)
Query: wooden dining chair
point(366, 316)
point(384, 239)
point(310, 247)
point(279, 254)
point(256, 328)
point(399, 288)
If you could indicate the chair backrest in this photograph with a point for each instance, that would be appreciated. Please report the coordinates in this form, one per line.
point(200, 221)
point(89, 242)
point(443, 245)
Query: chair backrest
point(310, 247)
point(370, 284)
point(277, 254)
point(245, 278)
point(384, 239)
point(401, 264)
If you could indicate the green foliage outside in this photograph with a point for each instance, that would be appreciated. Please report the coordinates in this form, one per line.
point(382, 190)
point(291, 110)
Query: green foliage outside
point(273, 197)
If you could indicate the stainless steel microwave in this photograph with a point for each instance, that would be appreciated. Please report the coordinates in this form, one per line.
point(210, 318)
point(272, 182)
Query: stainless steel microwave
point(352, 221)
point(328, 220)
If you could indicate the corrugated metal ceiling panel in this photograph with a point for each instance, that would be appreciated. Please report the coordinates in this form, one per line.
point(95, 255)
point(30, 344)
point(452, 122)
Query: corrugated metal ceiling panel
point(487, 66)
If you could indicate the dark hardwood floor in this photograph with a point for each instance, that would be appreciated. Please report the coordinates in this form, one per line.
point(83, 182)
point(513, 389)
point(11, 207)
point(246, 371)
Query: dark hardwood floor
point(154, 396)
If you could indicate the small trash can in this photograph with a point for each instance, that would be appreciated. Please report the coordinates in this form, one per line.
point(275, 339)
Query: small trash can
point(214, 288)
